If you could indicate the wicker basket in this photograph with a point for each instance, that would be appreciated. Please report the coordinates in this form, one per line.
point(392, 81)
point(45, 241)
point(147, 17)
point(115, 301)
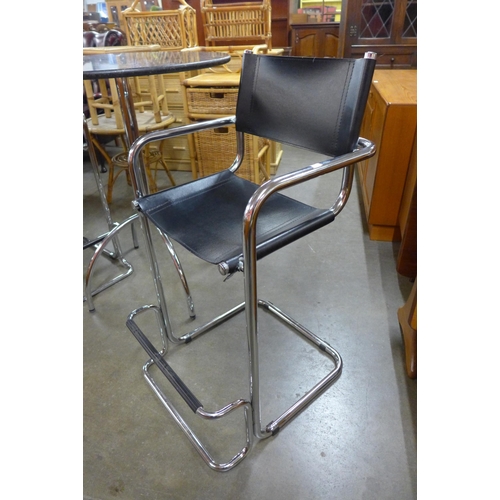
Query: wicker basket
point(216, 150)
point(248, 22)
point(171, 29)
point(212, 100)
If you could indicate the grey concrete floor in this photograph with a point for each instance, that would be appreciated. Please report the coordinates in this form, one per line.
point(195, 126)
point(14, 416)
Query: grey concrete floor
point(357, 441)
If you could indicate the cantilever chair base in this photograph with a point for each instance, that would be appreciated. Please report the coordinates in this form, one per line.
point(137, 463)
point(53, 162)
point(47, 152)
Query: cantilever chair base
point(233, 223)
point(273, 427)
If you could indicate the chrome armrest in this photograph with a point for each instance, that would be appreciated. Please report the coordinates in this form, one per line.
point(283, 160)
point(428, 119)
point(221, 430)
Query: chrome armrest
point(135, 166)
point(365, 149)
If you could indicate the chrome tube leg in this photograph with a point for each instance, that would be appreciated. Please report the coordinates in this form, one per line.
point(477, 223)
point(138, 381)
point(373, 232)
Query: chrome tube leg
point(134, 236)
point(100, 187)
point(278, 423)
point(131, 128)
point(160, 294)
point(251, 306)
point(180, 272)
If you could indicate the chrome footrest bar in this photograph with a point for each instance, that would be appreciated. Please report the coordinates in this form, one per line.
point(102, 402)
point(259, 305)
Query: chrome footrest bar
point(190, 399)
point(164, 367)
point(198, 445)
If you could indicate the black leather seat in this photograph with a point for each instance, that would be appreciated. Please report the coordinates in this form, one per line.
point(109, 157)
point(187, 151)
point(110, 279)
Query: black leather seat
point(232, 222)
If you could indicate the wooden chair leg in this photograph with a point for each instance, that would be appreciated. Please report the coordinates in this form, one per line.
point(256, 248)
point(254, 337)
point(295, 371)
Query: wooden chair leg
point(147, 161)
point(167, 170)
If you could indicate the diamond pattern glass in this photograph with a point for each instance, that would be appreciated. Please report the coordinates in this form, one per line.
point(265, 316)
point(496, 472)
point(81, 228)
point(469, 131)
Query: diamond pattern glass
point(376, 18)
point(410, 25)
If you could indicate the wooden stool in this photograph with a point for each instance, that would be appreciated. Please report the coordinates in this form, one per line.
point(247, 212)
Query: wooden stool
point(106, 118)
point(153, 157)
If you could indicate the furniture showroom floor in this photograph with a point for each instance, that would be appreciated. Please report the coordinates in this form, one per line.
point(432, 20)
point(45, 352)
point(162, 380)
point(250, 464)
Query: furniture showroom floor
point(356, 442)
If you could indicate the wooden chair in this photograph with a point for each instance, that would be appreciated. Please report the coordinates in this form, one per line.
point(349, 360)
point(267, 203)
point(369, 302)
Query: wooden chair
point(237, 23)
point(106, 119)
point(171, 29)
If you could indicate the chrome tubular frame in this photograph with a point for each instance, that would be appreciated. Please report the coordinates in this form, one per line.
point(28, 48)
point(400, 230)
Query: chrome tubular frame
point(132, 131)
point(159, 135)
point(252, 407)
point(366, 149)
point(110, 237)
point(200, 448)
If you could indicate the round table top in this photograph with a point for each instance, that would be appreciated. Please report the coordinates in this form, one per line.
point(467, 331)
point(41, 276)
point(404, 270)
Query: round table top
point(126, 64)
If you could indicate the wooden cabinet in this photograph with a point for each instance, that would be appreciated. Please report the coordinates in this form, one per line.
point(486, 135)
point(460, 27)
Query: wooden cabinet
point(390, 121)
point(315, 40)
point(407, 255)
point(388, 27)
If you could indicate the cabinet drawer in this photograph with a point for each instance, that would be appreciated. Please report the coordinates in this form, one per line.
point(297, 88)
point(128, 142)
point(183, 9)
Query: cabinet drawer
point(390, 56)
point(395, 60)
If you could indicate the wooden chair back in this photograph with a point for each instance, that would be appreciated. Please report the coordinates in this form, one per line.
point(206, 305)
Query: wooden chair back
point(171, 29)
point(237, 23)
point(147, 92)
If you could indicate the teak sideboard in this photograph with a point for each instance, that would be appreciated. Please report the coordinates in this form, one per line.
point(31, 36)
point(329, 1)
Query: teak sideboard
point(390, 121)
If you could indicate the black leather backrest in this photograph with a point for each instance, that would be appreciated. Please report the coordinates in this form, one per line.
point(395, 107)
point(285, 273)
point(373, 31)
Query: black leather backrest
point(315, 103)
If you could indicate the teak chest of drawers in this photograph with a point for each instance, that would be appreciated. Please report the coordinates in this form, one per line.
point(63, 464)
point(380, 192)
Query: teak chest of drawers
point(390, 121)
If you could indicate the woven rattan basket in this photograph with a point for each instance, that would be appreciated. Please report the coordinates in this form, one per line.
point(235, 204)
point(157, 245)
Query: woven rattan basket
point(171, 29)
point(212, 100)
point(216, 150)
point(237, 23)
